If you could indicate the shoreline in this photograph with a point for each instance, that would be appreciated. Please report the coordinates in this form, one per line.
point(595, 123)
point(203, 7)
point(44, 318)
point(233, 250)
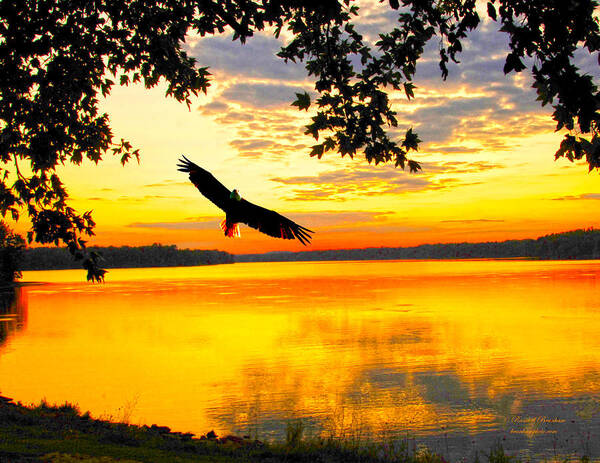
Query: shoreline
point(62, 434)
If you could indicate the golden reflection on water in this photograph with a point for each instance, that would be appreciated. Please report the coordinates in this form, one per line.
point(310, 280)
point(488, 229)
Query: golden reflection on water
point(355, 349)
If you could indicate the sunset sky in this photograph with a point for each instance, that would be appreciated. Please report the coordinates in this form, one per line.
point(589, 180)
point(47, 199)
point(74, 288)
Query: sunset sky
point(487, 157)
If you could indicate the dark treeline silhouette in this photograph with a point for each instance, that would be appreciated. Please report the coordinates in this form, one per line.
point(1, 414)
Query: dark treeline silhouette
point(577, 244)
point(156, 255)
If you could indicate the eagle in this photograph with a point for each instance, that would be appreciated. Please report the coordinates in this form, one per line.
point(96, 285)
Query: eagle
point(239, 210)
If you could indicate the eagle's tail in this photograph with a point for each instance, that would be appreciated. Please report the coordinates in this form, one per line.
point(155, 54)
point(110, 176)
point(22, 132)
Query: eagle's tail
point(231, 230)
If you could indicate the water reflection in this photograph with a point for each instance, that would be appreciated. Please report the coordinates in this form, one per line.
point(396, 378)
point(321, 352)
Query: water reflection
point(454, 354)
point(13, 312)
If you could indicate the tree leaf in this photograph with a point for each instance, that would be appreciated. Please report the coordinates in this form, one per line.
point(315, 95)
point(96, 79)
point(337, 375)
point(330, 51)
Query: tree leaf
point(408, 89)
point(302, 101)
point(317, 150)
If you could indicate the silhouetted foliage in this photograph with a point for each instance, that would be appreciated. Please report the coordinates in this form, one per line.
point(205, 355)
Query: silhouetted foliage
point(578, 244)
point(11, 246)
point(157, 255)
point(58, 57)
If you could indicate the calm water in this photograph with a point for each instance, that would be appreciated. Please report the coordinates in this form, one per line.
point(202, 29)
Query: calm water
point(457, 355)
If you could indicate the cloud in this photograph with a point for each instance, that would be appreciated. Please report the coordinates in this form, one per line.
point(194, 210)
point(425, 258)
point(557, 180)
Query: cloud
point(214, 107)
point(139, 198)
point(488, 118)
point(274, 130)
point(482, 59)
point(452, 149)
point(373, 180)
point(166, 183)
point(207, 224)
point(365, 181)
point(258, 148)
point(235, 117)
point(578, 197)
point(255, 59)
point(270, 132)
point(459, 167)
point(330, 219)
point(164, 197)
point(477, 103)
point(470, 221)
point(374, 20)
point(359, 175)
point(261, 95)
point(587, 62)
point(316, 219)
point(493, 121)
point(252, 144)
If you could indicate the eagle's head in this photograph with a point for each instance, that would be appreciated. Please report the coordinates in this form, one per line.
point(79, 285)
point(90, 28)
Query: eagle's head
point(235, 196)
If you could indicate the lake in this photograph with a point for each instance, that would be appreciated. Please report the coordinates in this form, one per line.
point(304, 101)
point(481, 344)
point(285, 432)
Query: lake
point(456, 355)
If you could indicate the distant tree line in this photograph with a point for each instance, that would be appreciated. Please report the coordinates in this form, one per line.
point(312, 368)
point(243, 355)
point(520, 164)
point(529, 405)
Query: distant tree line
point(577, 244)
point(157, 255)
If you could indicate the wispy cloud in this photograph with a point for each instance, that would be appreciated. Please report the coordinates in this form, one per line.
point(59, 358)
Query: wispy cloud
point(247, 145)
point(470, 221)
point(342, 184)
point(458, 167)
point(261, 95)
point(314, 220)
point(330, 219)
point(214, 107)
point(578, 197)
point(432, 148)
point(369, 180)
point(167, 184)
point(200, 225)
point(134, 198)
point(494, 120)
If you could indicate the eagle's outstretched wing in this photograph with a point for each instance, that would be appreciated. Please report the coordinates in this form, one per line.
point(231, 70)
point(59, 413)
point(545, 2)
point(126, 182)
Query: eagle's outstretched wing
point(272, 223)
point(264, 220)
point(206, 183)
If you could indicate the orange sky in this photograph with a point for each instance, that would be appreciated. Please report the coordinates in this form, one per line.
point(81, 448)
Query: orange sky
point(487, 156)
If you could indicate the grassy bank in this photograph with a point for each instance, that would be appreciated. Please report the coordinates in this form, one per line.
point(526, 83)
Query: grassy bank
point(62, 434)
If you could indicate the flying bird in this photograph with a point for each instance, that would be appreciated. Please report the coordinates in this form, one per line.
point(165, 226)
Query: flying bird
point(239, 210)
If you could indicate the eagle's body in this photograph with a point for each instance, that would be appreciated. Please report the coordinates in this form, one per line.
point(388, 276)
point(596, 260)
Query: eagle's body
point(238, 210)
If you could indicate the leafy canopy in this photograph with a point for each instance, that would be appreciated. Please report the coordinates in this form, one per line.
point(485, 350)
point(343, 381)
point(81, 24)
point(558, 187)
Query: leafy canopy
point(58, 57)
